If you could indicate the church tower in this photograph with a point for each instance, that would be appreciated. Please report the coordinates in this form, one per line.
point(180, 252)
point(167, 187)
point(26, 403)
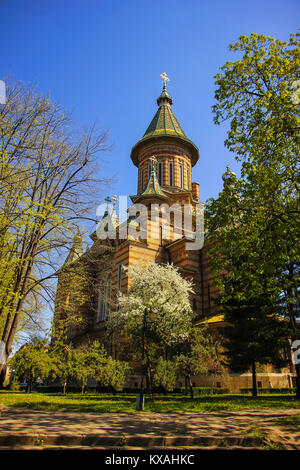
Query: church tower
point(175, 153)
point(89, 281)
point(164, 158)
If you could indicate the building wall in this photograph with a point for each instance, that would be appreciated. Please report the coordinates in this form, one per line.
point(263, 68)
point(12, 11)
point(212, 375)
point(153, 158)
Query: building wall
point(164, 152)
point(158, 247)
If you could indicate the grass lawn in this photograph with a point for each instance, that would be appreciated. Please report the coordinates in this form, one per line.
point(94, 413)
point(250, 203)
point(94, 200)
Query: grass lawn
point(126, 402)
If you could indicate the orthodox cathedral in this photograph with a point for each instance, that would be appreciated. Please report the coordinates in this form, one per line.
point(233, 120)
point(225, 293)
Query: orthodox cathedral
point(165, 158)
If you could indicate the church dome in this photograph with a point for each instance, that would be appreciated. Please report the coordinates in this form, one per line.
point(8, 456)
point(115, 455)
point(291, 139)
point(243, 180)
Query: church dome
point(228, 176)
point(165, 124)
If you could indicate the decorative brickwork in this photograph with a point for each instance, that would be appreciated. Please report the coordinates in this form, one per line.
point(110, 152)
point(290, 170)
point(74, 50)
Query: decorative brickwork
point(102, 264)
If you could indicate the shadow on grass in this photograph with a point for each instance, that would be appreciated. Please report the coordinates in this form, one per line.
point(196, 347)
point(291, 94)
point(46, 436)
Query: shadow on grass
point(290, 423)
point(161, 404)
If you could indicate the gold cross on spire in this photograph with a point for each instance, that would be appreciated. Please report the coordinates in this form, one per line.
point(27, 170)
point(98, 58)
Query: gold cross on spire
point(114, 199)
point(165, 78)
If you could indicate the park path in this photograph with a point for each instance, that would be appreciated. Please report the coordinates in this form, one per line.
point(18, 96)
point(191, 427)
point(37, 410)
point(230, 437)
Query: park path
point(15, 420)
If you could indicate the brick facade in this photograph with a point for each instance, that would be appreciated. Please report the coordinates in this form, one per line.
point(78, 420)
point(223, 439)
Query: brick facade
point(103, 261)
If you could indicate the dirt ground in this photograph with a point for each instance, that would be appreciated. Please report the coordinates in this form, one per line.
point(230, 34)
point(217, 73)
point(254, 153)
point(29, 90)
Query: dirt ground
point(24, 421)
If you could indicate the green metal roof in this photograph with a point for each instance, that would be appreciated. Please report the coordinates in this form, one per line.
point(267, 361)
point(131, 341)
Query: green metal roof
point(164, 121)
point(165, 124)
point(153, 188)
point(76, 250)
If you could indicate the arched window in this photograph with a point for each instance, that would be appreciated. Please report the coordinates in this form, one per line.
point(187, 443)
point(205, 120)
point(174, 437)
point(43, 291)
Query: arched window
point(160, 169)
point(104, 292)
point(171, 173)
point(181, 174)
point(188, 177)
point(120, 268)
point(142, 178)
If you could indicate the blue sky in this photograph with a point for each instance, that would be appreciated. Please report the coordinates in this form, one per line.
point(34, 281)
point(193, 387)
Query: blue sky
point(102, 59)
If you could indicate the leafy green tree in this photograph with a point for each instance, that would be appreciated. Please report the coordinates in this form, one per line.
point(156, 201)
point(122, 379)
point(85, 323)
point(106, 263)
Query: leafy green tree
point(82, 369)
point(256, 93)
point(165, 374)
point(47, 185)
point(62, 349)
point(32, 361)
point(113, 373)
point(64, 362)
point(156, 310)
point(256, 334)
point(194, 355)
point(253, 225)
point(87, 362)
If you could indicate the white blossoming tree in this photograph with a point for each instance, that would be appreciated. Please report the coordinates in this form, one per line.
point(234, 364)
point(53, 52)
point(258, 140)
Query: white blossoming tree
point(155, 313)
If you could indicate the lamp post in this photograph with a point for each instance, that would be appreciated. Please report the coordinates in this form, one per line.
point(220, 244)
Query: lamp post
point(141, 398)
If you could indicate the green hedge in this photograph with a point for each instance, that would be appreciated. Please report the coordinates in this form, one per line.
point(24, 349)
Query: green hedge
point(75, 389)
point(196, 390)
point(269, 390)
point(59, 389)
point(208, 390)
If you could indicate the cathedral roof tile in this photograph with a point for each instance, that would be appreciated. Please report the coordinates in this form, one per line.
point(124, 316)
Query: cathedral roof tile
point(165, 124)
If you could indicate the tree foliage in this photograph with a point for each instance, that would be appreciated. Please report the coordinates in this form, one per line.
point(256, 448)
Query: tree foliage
point(156, 311)
point(256, 94)
point(69, 365)
point(32, 361)
point(163, 294)
point(257, 334)
point(47, 185)
point(165, 374)
point(197, 354)
point(253, 226)
point(113, 374)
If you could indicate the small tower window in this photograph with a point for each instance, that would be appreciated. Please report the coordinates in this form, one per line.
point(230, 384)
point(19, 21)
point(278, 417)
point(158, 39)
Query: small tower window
point(142, 179)
point(100, 307)
point(119, 276)
point(103, 300)
point(171, 173)
point(181, 175)
point(160, 173)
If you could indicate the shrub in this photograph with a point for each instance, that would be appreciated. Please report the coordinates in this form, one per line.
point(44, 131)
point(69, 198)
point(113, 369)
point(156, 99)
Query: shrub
point(269, 390)
point(15, 386)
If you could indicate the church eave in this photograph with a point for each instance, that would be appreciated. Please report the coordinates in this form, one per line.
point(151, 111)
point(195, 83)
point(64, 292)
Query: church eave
point(145, 140)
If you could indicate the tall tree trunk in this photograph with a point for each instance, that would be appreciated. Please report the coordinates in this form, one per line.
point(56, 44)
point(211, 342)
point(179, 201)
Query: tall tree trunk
point(294, 326)
point(297, 367)
point(186, 385)
point(64, 386)
point(150, 373)
point(147, 378)
point(295, 336)
point(254, 385)
point(14, 315)
point(30, 384)
point(191, 387)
